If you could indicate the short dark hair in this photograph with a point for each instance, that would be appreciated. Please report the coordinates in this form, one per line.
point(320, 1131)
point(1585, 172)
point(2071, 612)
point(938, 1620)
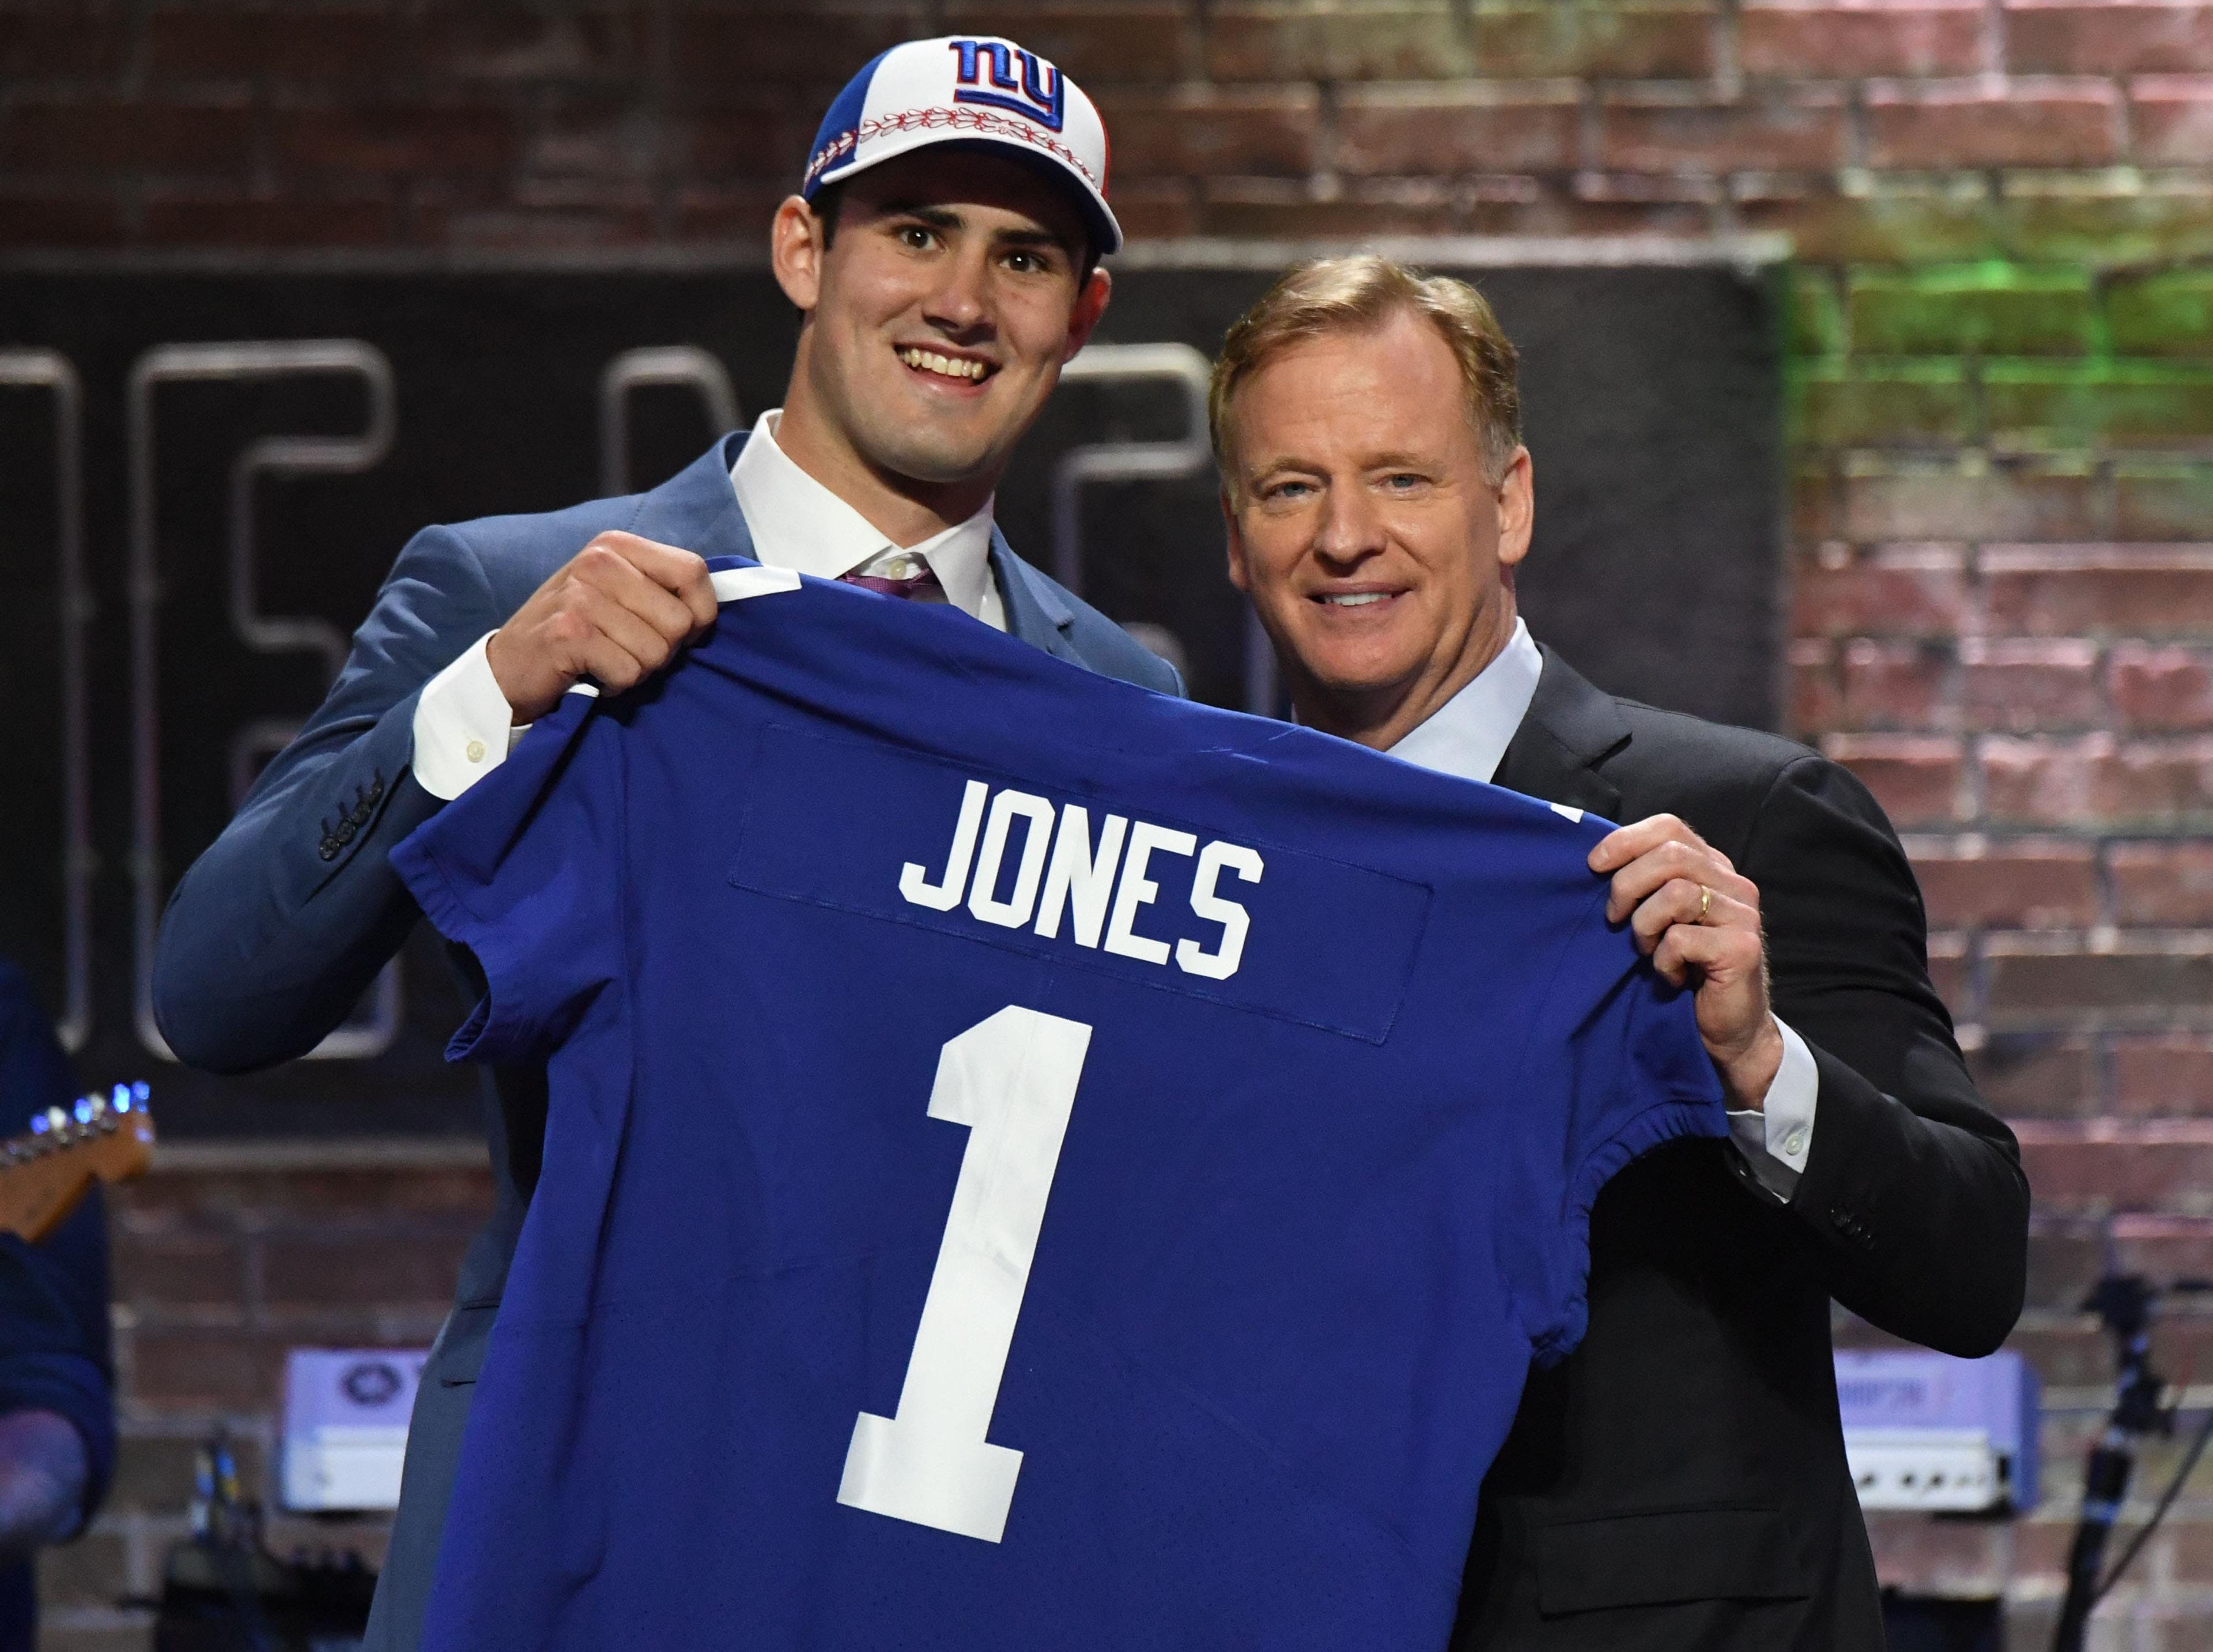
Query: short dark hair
point(828, 202)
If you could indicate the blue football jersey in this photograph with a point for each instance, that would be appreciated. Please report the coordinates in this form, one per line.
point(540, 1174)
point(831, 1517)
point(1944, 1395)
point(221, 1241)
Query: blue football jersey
point(1030, 1162)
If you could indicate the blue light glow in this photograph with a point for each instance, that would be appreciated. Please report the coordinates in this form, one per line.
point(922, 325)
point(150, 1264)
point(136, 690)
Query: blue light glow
point(119, 1098)
point(83, 1110)
point(39, 1123)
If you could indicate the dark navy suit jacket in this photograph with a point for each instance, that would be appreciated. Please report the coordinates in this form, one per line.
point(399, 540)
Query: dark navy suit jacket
point(278, 927)
point(53, 1295)
point(1679, 1480)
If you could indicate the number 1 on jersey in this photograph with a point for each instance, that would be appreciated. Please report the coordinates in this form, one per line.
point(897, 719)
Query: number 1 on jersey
point(1011, 1079)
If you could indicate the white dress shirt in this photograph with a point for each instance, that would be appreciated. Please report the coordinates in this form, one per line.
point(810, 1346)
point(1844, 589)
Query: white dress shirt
point(464, 727)
point(1467, 736)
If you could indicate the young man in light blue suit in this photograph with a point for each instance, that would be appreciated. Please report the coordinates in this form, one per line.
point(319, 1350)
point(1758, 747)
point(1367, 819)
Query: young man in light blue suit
point(943, 250)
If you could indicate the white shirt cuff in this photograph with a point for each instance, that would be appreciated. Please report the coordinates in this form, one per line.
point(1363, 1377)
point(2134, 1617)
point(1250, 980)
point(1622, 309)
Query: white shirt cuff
point(464, 727)
point(1777, 1138)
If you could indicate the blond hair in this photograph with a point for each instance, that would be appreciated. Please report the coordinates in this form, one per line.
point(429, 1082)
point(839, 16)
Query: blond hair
point(1358, 293)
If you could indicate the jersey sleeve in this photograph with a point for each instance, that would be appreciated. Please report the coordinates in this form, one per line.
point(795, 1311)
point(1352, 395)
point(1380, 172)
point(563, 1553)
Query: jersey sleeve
point(1613, 1068)
point(525, 870)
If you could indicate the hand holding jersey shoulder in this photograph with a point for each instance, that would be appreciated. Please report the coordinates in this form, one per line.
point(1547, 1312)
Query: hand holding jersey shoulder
point(617, 612)
point(1698, 919)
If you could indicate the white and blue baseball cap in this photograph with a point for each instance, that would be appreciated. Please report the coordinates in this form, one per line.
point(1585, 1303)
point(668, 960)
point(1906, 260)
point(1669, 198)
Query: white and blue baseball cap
point(970, 89)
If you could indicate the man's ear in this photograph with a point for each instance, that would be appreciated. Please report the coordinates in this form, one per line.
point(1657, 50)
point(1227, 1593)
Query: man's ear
point(1091, 305)
point(1517, 508)
point(796, 243)
point(1234, 543)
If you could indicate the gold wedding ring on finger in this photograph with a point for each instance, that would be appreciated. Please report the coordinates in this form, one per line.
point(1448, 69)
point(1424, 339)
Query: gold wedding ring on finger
point(1706, 901)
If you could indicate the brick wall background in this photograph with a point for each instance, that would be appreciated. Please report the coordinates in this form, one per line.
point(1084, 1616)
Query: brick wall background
point(224, 1257)
point(2001, 549)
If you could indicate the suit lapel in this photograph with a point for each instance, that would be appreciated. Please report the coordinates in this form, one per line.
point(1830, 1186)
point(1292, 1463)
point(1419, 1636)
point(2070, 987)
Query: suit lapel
point(696, 509)
point(1569, 726)
point(1035, 612)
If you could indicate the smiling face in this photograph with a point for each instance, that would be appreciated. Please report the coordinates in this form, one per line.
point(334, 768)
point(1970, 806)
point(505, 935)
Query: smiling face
point(1377, 551)
point(938, 316)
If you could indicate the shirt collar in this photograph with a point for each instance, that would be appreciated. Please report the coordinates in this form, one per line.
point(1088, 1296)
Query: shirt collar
point(798, 523)
point(1468, 734)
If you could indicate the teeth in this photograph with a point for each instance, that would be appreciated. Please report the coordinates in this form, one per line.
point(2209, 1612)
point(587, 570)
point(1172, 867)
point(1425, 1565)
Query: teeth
point(1358, 599)
point(951, 367)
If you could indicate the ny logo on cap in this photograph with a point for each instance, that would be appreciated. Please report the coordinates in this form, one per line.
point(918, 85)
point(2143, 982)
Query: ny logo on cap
point(1036, 94)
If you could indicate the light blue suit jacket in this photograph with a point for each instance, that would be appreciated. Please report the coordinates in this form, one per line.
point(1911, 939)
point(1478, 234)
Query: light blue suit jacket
point(278, 927)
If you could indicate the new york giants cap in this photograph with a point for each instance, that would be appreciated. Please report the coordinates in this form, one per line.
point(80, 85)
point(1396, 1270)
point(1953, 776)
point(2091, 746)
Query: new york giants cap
point(967, 90)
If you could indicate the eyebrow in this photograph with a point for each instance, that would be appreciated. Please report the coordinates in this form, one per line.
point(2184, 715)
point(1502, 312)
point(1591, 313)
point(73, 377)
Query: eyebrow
point(946, 217)
point(1374, 462)
point(938, 218)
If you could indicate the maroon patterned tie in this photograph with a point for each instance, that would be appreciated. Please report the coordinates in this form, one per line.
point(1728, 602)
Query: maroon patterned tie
point(923, 584)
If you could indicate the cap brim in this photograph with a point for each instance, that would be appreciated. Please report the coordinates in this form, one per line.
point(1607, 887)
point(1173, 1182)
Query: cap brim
point(1099, 217)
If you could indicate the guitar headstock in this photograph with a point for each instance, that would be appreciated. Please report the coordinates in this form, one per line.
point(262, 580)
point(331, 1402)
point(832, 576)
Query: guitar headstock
point(47, 1170)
